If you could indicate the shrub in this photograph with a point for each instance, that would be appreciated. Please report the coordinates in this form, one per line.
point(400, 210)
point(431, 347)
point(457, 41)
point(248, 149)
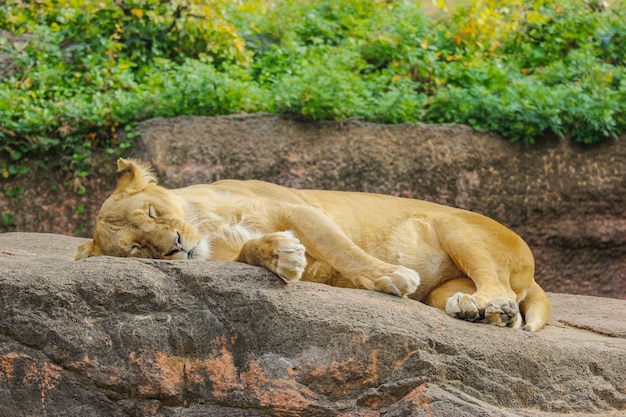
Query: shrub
point(87, 67)
point(86, 72)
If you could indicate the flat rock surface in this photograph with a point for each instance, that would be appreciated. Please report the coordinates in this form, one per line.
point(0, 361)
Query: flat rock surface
point(127, 337)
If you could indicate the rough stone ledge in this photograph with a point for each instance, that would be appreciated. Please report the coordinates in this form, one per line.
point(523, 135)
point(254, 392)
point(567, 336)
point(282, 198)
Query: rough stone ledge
point(125, 337)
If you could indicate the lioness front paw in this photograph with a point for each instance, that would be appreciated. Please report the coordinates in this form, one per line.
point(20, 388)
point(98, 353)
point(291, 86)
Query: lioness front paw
point(394, 279)
point(497, 311)
point(280, 252)
point(290, 257)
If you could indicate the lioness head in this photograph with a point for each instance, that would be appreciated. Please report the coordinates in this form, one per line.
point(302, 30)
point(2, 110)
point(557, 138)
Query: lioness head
point(141, 219)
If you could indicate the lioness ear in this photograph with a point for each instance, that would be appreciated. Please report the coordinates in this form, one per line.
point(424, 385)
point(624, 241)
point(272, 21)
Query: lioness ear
point(133, 176)
point(84, 250)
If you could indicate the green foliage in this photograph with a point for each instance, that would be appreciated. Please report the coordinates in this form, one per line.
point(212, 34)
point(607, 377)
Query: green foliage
point(335, 60)
point(87, 72)
point(15, 191)
point(196, 88)
point(7, 219)
point(85, 69)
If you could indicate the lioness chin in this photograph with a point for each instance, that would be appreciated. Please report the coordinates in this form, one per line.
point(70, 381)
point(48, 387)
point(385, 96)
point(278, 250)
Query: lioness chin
point(461, 262)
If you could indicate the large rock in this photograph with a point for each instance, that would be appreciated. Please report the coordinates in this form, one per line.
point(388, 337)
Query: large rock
point(127, 337)
point(567, 201)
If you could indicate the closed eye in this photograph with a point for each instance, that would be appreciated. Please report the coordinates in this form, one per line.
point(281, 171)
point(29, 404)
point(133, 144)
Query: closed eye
point(152, 212)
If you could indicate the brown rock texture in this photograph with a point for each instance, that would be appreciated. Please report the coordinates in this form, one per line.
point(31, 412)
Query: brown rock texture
point(568, 202)
point(128, 337)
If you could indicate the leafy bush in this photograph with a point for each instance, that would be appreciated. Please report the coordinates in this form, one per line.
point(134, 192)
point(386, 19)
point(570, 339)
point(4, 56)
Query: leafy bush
point(86, 72)
point(195, 87)
point(87, 68)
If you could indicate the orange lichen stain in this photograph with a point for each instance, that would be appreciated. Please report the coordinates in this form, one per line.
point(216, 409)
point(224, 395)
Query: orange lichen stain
point(408, 356)
point(195, 370)
point(171, 379)
point(7, 363)
point(254, 376)
point(142, 362)
point(374, 403)
point(293, 371)
point(80, 364)
point(279, 394)
point(372, 369)
point(291, 384)
point(45, 376)
point(220, 370)
point(350, 373)
point(42, 375)
point(162, 373)
point(418, 398)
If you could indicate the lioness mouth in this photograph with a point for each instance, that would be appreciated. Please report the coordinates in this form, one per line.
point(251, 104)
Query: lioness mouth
point(177, 247)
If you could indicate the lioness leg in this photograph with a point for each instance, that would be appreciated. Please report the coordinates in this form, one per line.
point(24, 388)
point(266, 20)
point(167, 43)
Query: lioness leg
point(496, 260)
point(439, 296)
point(325, 241)
point(493, 301)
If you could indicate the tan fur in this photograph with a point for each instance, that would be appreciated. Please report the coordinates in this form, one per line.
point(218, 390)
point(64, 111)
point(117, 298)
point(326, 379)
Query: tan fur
point(469, 265)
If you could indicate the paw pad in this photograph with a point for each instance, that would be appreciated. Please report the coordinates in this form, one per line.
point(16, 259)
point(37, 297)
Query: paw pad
point(503, 312)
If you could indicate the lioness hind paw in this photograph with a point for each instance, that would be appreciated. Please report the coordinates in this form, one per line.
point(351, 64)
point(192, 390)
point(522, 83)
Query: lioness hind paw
point(464, 306)
point(503, 312)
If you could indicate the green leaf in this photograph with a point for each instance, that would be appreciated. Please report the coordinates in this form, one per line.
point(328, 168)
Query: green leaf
point(7, 219)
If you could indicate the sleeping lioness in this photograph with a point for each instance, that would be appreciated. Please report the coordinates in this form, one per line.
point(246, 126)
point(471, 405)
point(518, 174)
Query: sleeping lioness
point(461, 262)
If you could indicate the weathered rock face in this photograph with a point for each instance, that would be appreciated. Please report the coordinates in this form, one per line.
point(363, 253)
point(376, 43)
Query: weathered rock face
point(568, 202)
point(127, 337)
